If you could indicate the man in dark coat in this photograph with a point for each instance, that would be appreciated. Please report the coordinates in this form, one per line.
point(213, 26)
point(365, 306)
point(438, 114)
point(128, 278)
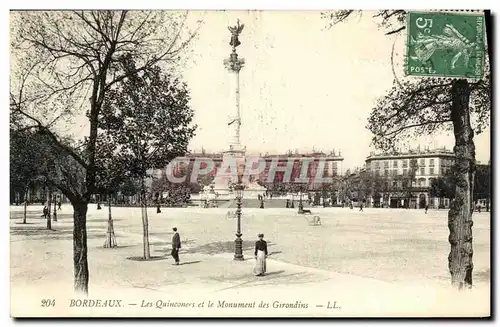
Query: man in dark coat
point(176, 245)
point(45, 212)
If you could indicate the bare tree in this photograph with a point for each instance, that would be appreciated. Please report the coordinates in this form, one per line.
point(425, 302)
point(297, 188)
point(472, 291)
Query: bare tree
point(66, 61)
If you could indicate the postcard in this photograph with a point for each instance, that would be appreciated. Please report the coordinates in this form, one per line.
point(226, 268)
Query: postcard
point(250, 163)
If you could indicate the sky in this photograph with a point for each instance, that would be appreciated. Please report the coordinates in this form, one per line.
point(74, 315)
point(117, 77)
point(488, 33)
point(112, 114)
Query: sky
point(303, 85)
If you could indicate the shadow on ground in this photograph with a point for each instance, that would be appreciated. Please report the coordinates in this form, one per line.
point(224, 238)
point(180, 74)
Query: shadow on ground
point(118, 247)
point(222, 247)
point(42, 233)
point(102, 220)
point(153, 258)
point(189, 262)
point(37, 216)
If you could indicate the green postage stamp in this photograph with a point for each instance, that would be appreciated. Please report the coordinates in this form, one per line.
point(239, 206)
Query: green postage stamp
point(445, 44)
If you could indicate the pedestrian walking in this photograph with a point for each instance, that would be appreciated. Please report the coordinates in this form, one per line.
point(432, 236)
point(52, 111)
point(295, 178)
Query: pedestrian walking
point(176, 245)
point(59, 205)
point(260, 256)
point(426, 208)
point(45, 212)
point(361, 206)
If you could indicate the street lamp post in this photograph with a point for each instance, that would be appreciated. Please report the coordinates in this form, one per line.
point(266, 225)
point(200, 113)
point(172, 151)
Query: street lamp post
point(301, 205)
point(238, 243)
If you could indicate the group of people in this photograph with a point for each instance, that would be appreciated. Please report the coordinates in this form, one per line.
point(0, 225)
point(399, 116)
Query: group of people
point(260, 252)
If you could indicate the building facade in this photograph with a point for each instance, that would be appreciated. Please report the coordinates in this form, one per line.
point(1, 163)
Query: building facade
point(407, 177)
point(273, 172)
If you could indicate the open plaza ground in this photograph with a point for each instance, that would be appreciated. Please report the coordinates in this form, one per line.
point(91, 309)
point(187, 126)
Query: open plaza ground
point(375, 262)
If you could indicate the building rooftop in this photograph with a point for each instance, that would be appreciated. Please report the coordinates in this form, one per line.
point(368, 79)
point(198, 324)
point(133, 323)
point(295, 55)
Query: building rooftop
point(412, 153)
point(332, 155)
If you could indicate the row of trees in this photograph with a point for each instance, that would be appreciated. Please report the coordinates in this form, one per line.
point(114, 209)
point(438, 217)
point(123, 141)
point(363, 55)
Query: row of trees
point(367, 183)
point(116, 68)
point(444, 186)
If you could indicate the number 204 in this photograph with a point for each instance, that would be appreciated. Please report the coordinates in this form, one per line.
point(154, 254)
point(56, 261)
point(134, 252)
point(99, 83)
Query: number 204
point(48, 303)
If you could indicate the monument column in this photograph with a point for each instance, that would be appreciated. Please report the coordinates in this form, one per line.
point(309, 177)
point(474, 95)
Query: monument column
point(234, 64)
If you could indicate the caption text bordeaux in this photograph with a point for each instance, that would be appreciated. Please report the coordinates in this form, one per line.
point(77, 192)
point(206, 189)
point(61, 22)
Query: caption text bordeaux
point(160, 304)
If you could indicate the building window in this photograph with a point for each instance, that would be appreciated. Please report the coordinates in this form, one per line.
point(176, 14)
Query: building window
point(394, 172)
point(377, 172)
point(422, 171)
point(386, 164)
point(431, 162)
point(422, 162)
point(431, 171)
point(405, 163)
point(386, 172)
point(377, 164)
point(405, 172)
point(395, 164)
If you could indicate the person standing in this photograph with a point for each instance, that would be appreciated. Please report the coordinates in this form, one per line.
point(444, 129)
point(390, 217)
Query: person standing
point(59, 205)
point(361, 206)
point(426, 208)
point(260, 256)
point(176, 245)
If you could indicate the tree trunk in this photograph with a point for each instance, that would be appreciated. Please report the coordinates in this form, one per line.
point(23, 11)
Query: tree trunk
point(80, 263)
point(110, 234)
point(144, 211)
point(55, 207)
point(460, 213)
point(25, 205)
point(49, 202)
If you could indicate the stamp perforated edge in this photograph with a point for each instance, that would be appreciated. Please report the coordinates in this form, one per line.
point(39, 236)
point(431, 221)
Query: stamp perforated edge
point(477, 12)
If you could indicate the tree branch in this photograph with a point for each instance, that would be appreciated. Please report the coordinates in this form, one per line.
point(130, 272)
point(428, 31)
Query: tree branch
point(43, 129)
point(399, 130)
point(396, 30)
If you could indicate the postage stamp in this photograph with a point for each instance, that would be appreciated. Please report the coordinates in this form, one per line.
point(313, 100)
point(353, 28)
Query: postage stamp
point(445, 44)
